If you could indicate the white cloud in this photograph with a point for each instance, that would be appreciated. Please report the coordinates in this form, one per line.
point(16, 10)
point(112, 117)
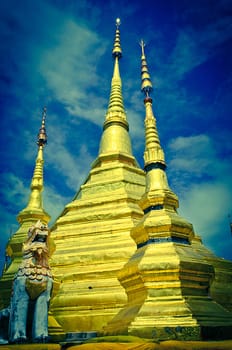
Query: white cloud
point(207, 206)
point(136, 123)
point(69, 69)
point(15, 192)
point(195, 47)
point(54, 202)
point(194, 154)
point(71, 166)
point(201, 179)
point(94, 113)
point(196, 158)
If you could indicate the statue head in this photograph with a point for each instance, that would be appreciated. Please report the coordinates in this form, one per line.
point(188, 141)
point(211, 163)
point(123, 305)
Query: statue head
point(37, 243)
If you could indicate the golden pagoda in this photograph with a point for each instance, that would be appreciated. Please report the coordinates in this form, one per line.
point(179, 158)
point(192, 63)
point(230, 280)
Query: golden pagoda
point(176, 288)
point(33, 212)
point(92, 235)
point(125, 260)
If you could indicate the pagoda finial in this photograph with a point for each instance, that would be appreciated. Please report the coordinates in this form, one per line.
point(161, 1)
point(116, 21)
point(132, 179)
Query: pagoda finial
point(142, 44)
point(116, 112)
point(42, 136)
point(153, 151)
point(146, 85)
point(117, 51)
point(118, 22)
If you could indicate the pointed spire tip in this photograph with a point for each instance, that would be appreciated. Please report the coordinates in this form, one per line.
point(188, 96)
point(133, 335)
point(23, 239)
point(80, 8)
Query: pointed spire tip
point(42, 136)
point(118, 22)
point(146, 85)
point(117, 51)
point(142, 44)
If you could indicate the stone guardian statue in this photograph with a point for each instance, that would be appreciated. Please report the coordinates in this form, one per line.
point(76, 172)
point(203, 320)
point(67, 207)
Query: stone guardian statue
point(32, 288)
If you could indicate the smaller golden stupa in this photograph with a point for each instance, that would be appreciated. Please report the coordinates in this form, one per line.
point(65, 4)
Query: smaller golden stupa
point(28, 217)
point(172, 281)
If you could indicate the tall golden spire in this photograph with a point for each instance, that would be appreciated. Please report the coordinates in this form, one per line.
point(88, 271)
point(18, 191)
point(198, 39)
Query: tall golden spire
point(157, 188)
point(153, 152)
point(116, 112)
point(146, 85)
point(99, 219)
point(115, 138)
point(35, 203)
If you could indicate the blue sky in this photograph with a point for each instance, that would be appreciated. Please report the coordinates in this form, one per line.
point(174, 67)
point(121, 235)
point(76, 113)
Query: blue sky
point(58, 53)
